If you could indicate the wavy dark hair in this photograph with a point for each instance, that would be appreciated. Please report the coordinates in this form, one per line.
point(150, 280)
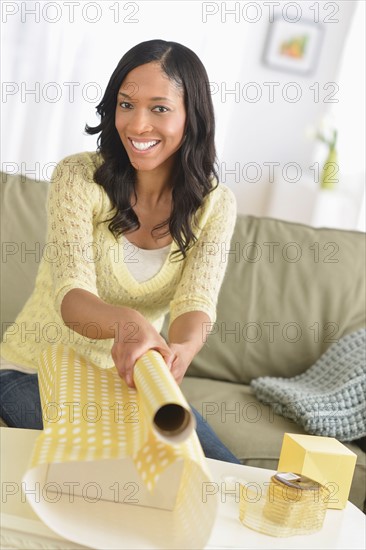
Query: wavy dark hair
point(195, 165)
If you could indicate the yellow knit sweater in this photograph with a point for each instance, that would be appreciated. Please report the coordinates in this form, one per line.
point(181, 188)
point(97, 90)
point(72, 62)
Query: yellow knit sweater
point(81, 252)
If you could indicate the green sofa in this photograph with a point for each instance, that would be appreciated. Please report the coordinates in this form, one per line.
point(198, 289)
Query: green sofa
point(289, 291)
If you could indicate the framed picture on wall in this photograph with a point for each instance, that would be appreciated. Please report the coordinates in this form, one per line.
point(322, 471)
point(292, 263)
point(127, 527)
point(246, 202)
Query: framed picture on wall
point(293, 47)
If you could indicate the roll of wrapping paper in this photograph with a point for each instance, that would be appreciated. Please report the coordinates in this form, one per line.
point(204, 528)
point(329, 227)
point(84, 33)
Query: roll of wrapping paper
point(170, 414)
point(117, 441)
point(293, 505)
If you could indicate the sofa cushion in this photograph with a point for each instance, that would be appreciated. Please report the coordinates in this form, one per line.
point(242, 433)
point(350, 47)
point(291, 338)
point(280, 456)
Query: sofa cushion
point(289, 292)
point(23, 232)
point(250, 429)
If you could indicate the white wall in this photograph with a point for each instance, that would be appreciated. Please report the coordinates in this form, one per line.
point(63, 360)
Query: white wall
point(44, 56)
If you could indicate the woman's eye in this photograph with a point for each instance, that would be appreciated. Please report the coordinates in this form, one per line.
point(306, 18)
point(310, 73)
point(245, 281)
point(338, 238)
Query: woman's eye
point(160, 109)
point(125, 105)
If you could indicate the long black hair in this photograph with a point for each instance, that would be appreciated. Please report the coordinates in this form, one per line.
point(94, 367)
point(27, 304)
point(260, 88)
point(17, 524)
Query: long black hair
point(196, 159)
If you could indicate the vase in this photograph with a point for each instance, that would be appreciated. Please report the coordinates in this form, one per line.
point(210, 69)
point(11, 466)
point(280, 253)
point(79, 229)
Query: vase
point(329, 177)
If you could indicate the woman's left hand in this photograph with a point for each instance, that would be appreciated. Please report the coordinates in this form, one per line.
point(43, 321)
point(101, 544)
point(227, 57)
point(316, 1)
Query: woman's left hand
point(180, 362)
point(185, 341)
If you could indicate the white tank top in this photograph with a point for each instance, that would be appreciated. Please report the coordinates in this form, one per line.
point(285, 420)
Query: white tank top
point(141, 263)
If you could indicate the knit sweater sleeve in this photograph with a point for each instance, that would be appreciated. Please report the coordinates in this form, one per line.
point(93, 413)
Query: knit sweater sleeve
point(206, 263)
point(72, 203)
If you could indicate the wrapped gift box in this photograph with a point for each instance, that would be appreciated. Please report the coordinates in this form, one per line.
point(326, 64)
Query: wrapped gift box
point(108, 451)
point(323, 459)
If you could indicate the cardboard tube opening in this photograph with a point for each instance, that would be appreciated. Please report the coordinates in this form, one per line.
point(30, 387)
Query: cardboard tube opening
point(171, 419)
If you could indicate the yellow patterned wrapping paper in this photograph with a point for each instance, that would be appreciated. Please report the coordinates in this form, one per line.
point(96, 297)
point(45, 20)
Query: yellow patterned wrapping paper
point(103, 475)
point(164, 403)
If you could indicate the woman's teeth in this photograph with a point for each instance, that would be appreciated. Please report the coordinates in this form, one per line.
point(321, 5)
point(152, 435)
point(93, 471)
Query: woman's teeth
point(143, 146)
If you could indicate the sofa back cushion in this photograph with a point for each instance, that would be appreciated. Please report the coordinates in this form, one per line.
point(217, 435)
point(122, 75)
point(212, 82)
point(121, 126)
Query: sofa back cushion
point(23, 232)
point(290, 290)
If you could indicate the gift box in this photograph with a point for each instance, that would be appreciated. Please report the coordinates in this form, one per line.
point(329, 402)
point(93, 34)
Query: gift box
point(108, 451)
point(323, 459)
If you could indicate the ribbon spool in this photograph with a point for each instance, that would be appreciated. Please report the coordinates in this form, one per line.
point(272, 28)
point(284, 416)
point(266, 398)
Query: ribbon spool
point(293, 505)
point(296, 502)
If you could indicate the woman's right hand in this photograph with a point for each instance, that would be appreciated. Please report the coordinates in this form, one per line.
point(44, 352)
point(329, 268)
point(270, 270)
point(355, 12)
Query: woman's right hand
point(133, 334)
point(133, 338)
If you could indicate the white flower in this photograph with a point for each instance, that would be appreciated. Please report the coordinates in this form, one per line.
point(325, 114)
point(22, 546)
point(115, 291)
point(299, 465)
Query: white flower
point(310, 132)
point(326, 126)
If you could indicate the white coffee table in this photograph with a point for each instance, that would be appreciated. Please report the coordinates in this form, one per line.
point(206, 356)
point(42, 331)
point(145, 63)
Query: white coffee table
point(342, 529)
point(22, 529)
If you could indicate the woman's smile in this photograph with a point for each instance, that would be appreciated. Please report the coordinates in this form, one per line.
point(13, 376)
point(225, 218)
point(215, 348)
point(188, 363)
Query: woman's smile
point(143, 146)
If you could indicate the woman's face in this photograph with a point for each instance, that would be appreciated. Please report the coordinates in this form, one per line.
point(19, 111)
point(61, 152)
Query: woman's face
point(150, 117)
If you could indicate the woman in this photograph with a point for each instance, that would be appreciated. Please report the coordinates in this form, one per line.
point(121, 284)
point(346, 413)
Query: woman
point(136, 230)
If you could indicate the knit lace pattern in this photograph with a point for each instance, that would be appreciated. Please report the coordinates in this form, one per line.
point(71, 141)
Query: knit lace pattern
point(81, 252)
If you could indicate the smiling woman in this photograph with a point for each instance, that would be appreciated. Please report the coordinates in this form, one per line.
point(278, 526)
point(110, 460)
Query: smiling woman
point(152, 185)
point(159, 91)
point(151, 128)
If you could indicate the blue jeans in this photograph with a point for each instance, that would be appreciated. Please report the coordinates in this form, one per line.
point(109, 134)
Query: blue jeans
point(20, 404)
point(20, 407)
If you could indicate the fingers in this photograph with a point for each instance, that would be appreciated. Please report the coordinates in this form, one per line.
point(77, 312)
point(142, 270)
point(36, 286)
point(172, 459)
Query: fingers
point(168, 355)
point(177, 372)
point(125, 357)
point(125, 363)
point(181, 361)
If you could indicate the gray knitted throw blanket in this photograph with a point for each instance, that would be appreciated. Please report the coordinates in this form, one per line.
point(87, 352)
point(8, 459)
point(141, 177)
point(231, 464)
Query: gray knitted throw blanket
point(328, 399)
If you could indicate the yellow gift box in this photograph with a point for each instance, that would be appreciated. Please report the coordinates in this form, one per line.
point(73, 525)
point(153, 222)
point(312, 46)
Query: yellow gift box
point(323, 459)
